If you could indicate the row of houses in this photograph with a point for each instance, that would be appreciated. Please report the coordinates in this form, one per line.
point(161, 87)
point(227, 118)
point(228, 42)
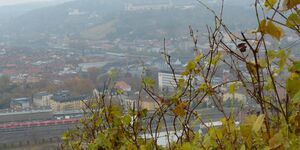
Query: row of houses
point(64, 100)
point(60, 101)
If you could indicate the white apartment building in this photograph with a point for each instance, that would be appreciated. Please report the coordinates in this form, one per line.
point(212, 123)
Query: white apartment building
point(166, 80)
point(41, 99)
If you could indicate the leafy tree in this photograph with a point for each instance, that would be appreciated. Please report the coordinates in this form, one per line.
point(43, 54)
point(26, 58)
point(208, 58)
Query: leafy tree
point(269, 77)
point(79, 85)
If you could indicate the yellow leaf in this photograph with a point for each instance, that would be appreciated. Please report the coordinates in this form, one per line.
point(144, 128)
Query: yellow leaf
point(268, 27)
point(215, 134)
point(267, 148)
point(262, 26)
point(181, 83)
point(274, 31)
point(198, 58)
point(276, 140)
point(180, 109)
point(293, 20)
point(251, 68)
point(216, 59)
point(262, 63)
point(249, 120)
point(245, 131)
point(186, 146)
point(202, 87)
point(191, 66)
point(185, 73)
point(143, 147)
point(258, 123)
point(270, 3)
point(243, 147)
point(289, 4)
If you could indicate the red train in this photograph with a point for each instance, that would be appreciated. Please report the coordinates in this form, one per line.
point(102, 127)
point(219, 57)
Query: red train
point(38, 123)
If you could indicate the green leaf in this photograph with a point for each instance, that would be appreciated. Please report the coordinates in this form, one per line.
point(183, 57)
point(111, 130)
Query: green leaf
point(292, 84)
point(102, 140)
point(191, 66)
point(296, 98)
point(283, 57)
point(258, 123)
point(149, 82)
point(127, 119)
point(144, 113)
point(296, 67)
point(120, 92)
point(232, 88)
point(202, 87)
point(98, 122)
point(216, 59)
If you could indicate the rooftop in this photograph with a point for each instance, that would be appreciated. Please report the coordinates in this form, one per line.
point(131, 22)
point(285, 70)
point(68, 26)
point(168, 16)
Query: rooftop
point(41, 94)
point(21, 99)
point(65, 96)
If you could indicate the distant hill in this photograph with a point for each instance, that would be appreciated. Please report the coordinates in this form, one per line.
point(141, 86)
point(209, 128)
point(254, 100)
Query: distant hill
point(96, 19)
point(65, 18)
point(12, 11)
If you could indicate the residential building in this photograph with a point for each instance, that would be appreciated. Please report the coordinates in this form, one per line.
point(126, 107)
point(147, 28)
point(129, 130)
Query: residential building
point(63, 101)
point(133, 102)
point(166, 81)
point(41, 99)
point(20, 103)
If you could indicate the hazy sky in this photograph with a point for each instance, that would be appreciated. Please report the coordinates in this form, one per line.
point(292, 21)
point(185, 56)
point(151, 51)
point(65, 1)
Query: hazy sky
point(12, 2)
